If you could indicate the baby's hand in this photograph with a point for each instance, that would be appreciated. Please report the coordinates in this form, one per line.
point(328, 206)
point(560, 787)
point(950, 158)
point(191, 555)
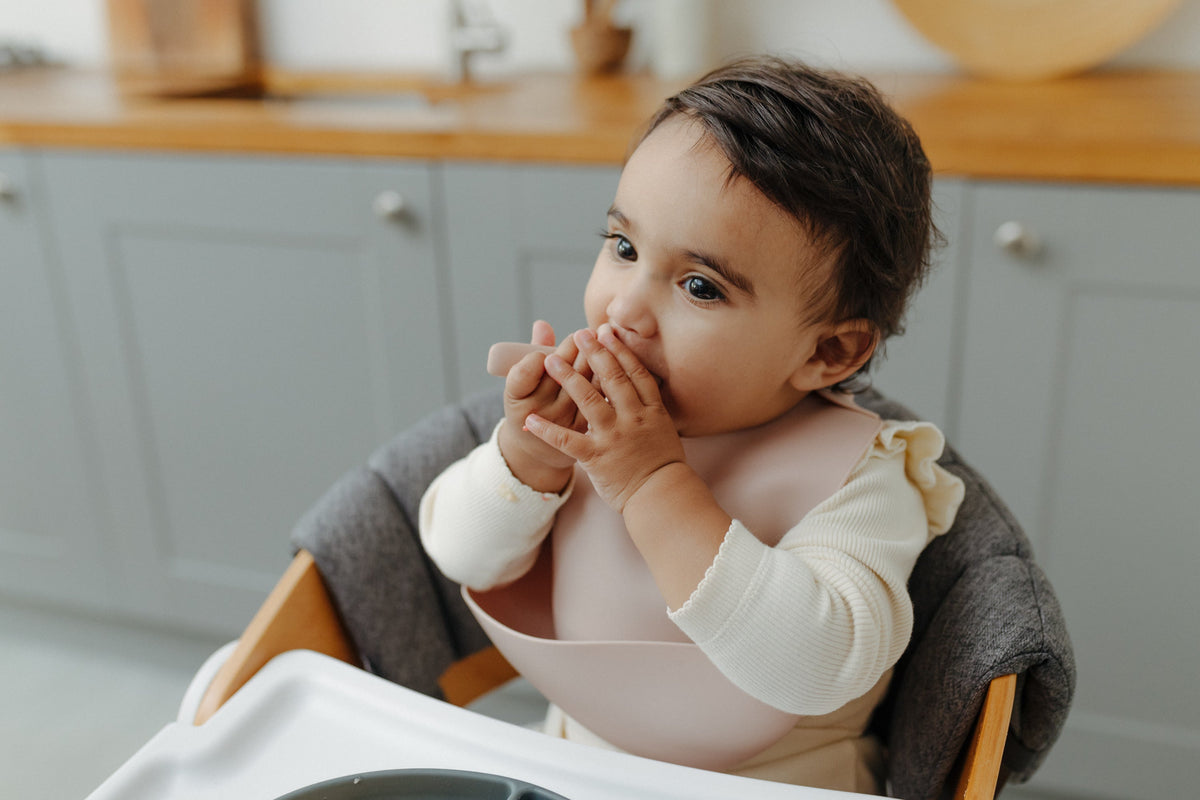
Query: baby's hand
point(628, 434)
point(529, 390)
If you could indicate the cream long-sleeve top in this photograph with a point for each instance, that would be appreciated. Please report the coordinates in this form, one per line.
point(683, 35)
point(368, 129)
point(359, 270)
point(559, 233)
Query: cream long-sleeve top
point(836, 581)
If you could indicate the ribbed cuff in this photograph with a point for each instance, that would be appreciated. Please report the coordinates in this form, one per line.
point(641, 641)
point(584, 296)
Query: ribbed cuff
point(725, 586)
point(489, 469)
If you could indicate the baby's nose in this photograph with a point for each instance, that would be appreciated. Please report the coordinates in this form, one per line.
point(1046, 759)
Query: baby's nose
point(632, 309)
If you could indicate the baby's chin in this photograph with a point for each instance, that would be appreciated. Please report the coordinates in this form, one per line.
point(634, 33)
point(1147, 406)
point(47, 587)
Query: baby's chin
point(685, 423)
point(695, 418)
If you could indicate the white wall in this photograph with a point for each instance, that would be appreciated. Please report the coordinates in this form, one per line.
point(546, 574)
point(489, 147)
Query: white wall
point(411, 34)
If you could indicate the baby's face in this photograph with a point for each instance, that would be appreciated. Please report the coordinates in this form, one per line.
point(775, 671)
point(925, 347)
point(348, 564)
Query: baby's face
point(705, 281)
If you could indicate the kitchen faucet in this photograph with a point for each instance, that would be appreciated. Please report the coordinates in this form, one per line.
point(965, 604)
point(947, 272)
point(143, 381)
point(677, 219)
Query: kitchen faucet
point(473, 29)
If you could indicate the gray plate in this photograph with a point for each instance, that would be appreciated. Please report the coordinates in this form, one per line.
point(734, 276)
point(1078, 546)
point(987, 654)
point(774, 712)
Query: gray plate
point(433, 784)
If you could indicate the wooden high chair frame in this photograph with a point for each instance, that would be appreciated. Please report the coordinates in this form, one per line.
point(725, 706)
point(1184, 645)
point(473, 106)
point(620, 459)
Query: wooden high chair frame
point(299, 615)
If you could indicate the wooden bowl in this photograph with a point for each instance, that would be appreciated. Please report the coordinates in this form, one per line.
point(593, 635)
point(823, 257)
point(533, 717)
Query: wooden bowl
point(1033, 39)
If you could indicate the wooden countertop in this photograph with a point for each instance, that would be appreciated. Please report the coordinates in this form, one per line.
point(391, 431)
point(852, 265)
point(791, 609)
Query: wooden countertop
point(1141, 127)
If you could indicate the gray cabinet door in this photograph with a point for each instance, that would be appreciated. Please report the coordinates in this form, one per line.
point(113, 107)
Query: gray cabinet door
point(249, 330)
point(1081, 378)
point(51, 521)
point(522, 241)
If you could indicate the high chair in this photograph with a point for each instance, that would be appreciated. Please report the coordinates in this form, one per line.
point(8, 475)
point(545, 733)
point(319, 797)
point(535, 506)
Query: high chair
point(978, 698)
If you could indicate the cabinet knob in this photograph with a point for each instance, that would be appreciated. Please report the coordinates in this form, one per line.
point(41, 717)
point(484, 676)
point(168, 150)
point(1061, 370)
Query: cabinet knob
point(1015, 238)
point(8, 188)
point(390, 204)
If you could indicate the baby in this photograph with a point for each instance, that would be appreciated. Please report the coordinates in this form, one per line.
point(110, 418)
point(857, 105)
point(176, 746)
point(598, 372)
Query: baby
point(683, 532)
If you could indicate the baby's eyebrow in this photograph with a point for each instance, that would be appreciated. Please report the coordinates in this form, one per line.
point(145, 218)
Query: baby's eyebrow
point(737, 279)
point(616, 214)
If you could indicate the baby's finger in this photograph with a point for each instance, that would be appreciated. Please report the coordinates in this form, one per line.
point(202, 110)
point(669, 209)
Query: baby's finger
point(569, 350)
point(564, 440)
point(525, 376)
point(543, 333)
point(642, 379)
point(591, 404)
point(613, 380)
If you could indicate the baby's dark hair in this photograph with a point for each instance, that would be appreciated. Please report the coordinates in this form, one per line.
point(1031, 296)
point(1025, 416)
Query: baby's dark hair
point(830, 151)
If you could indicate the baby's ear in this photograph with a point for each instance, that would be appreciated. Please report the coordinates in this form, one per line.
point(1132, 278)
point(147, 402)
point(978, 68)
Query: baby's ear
point(841, 351)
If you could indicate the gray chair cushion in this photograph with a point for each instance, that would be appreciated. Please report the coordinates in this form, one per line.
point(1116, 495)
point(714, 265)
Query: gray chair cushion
point(407, 620)
point(982, 607)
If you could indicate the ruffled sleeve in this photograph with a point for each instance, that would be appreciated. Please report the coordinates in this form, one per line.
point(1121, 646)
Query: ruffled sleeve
point(814, 622)
point(921, 444)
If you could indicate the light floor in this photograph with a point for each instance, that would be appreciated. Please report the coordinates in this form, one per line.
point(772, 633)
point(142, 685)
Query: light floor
point(78, 697)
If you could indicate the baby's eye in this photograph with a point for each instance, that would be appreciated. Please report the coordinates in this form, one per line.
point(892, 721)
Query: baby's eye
point(702, 289)
point(623, 247)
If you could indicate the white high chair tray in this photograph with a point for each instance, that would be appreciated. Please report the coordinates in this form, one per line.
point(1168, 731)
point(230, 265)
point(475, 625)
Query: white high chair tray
point(307, 718)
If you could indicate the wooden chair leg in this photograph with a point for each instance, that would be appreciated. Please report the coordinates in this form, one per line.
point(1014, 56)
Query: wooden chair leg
point(298, 614)
point(475, 675)
point(981, 769)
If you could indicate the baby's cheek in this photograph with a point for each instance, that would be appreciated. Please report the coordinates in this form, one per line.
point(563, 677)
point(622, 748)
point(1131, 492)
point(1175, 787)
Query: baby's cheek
point(594, 305)
point(595, 318)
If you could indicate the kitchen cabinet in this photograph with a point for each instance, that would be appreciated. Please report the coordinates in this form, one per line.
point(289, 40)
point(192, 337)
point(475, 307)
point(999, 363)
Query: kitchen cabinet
point(51, 515)
point(248, 329)
point(1080, 374)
